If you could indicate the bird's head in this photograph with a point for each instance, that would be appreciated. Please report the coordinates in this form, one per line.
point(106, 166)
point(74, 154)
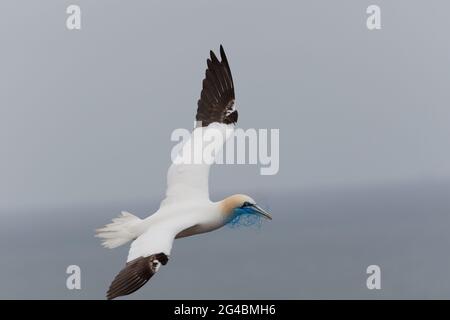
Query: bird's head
point(239, 205)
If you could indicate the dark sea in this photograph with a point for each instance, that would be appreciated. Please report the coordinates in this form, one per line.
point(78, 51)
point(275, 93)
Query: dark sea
point(318, 245)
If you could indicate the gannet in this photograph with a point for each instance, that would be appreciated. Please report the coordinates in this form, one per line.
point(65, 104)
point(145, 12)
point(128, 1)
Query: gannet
point(186, 209)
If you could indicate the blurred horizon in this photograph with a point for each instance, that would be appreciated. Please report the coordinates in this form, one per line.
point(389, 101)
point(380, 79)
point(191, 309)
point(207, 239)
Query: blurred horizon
point(318, 246)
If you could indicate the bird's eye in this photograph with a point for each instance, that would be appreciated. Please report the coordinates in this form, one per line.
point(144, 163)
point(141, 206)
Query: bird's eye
point(246, 204)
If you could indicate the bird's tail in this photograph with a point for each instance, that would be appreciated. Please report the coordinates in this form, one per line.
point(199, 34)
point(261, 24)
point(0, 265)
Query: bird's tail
point(121, 230)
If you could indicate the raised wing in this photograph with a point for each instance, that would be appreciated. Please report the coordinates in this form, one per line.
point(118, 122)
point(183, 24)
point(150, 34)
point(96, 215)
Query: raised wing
point(187, 178)
point(216, 103)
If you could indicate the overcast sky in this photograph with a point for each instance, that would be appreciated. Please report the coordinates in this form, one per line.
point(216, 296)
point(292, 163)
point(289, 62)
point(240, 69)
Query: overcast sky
point(86, 116)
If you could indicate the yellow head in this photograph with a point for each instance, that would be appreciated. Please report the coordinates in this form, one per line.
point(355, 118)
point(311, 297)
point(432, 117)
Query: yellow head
point(241, 204)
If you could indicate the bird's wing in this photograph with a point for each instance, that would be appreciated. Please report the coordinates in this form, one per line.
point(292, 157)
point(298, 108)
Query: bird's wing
point(216, 103)
point(187, 177)
point(188, 180)
point(147, 253)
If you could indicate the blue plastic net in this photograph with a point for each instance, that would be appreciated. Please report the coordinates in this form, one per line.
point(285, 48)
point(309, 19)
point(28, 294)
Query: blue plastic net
point(244, 219)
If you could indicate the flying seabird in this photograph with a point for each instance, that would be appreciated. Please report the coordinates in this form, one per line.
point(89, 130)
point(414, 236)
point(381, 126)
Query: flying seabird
point(186, 209)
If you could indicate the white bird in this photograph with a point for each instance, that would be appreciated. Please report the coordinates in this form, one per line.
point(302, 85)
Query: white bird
point(186, 209)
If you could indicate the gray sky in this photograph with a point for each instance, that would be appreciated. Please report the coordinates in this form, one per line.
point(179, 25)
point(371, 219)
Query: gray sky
point(86, 118)
point(86, 115)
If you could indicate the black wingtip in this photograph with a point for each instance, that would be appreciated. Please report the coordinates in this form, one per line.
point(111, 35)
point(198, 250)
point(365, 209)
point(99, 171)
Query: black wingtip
point(213, 57)
point(216, 103)
point(135, 274)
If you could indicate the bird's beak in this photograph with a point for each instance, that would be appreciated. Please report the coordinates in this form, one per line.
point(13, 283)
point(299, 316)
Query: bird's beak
point(261, 211)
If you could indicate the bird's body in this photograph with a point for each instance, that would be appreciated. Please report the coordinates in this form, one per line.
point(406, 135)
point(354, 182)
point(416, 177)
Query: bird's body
point(204, 216)
point(178, 221)
point(186, 209)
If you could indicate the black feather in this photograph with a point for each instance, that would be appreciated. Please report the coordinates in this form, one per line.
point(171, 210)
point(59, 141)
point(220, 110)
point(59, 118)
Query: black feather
point(217, 96)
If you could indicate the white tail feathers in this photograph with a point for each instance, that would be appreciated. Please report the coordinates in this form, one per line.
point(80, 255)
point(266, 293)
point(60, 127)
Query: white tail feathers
point(121, 230)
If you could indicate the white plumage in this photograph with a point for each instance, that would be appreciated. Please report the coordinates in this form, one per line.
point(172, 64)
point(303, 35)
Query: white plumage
point(186, 209)
point(186, 204)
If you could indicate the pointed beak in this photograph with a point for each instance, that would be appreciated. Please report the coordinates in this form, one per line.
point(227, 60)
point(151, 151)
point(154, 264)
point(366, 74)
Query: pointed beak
point(261, 211)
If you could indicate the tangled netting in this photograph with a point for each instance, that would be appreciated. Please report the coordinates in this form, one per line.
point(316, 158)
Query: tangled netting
point(245, 220)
